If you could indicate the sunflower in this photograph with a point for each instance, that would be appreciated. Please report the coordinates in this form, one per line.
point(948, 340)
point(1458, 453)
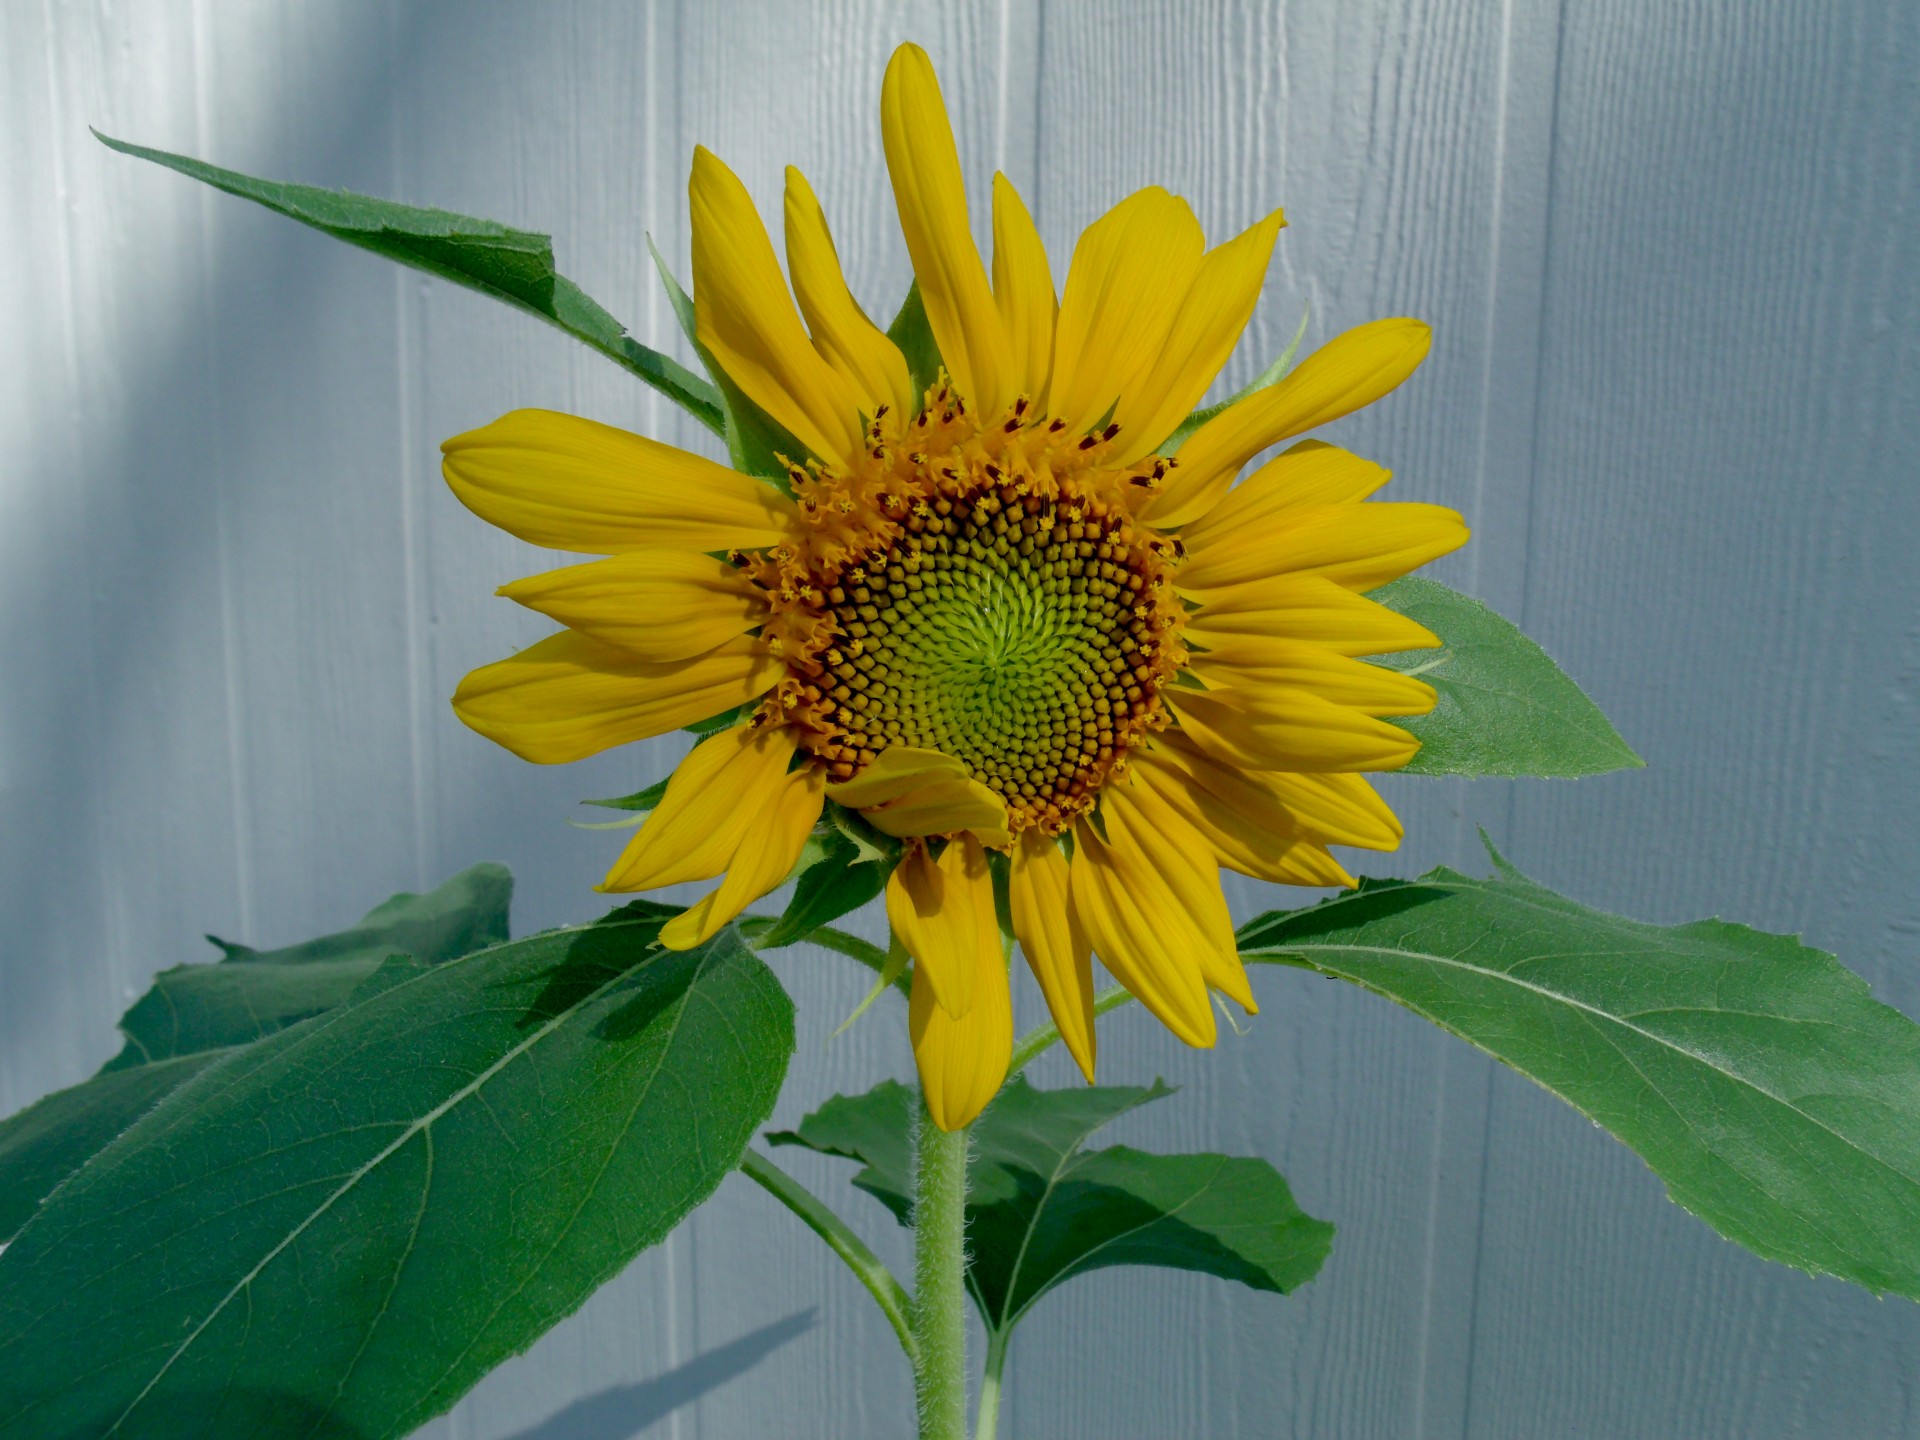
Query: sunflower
point(991, 617)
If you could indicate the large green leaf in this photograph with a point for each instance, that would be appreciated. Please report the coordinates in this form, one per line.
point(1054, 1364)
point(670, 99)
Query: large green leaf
point(195, 1014)
point(511, 265)
point(1041, 1208)
point(1505, 708)
point(337, 1230)
point(1758, 1078)
point(255, 992)
point(52, 1138)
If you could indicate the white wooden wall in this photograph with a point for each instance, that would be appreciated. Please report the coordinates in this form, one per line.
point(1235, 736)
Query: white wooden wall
point(1671, 253)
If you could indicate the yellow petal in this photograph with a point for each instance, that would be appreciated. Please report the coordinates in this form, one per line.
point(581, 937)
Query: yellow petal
point(893, 773)
point(1186, 865)
point(1358, 546)
point(711, 801)
point(1310, 473)
point(944, 807)
point(1347, 372)
point(1305, 607)
point(571, 484)
point(765, 858)
point(942, 911)
point(1252, 833)
point(856, 347)
point(1277, 729)
point(1252, 661)
point(745, 318)
point(1023, 290)
point(1139, 931)
point(1208, 326)
point(1341, 808)
point(962, 1061)
point(1131, 270)
point(1056, 948)
point(909, 792)
point(660, 605)
point(571, 696)
point(932, 200)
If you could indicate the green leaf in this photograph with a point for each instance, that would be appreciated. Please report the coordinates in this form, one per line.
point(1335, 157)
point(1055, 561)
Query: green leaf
point(515, 266)
point(1505, 708)
point(1266, 379)
point(52, 1138)
point(840, 881)
point(339, 1229)
point(1042, 1208)
point(912, 333)
point(255, 992)
point(195, 1014)
point(1758, 1078)
point(755, 441)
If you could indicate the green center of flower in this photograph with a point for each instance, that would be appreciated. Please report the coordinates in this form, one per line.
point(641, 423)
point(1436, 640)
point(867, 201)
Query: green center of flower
point(1001, 634)
point(983, 593)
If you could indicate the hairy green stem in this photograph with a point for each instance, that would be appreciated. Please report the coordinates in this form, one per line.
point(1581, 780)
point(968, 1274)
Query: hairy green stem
point(939, 1279)
point(867, 1267)
point(990, 1386)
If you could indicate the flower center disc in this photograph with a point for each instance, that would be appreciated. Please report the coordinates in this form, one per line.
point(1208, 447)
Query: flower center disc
point(989, 609)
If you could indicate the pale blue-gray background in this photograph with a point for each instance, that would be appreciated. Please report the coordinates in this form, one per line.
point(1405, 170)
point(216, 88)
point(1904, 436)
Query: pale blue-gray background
point(1671, 253)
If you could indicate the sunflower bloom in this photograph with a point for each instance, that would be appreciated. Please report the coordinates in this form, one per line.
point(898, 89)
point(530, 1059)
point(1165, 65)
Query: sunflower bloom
point(992, 618)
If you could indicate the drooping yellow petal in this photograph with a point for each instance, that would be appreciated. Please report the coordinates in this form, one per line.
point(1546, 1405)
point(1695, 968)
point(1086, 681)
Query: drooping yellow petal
point(860, 350)
point(570, 696)
point(1023, 290)
point(571, 484)
point(1138, 930)
point(1308, 474)
point(943, 807)
point(1306, 607)
point(1349, 371)
point(1260, 839)
point(1185, 863)
point(660, 605)
point(909, 792)
point(745, 318)
point(1056, 948)
point(932, 199)
point(712, 799)
point(1131, 270)
point(942, 911)
point(962, 1061)
point(766, 856)
point(897, 770)
point(1209, 323)
point(1276, 729)
point(1252, 661)
point(1358, 546)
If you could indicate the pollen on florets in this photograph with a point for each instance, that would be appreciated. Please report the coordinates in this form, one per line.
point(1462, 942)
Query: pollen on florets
point(979, 590)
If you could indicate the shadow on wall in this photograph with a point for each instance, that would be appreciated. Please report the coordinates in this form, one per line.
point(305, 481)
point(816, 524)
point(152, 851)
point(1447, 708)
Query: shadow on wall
point(625, 1410)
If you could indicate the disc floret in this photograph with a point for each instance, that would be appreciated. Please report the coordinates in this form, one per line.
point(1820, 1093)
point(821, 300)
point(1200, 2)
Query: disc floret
point(980, 591)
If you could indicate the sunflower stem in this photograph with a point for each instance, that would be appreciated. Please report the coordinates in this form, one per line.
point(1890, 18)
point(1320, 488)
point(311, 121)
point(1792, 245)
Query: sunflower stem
point(939, 1279)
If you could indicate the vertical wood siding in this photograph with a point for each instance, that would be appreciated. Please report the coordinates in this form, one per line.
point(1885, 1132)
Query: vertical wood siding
point(1671, 256)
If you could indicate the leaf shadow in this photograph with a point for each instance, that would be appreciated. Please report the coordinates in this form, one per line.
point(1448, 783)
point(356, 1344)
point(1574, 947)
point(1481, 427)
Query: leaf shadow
point(623, 1411)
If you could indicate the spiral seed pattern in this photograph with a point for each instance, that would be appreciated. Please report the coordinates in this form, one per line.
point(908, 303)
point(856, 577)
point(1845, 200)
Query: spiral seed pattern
point(991, 599)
